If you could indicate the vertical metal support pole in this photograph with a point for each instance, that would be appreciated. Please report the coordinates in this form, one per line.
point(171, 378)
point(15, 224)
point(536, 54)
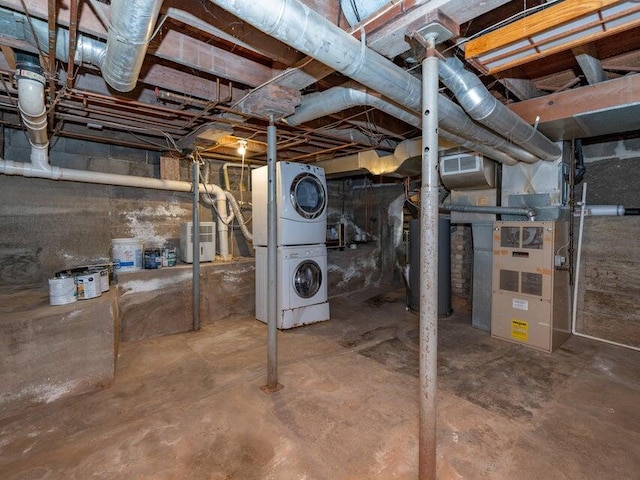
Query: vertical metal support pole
point(272, 264)
point(196, 244)
point(428, 266)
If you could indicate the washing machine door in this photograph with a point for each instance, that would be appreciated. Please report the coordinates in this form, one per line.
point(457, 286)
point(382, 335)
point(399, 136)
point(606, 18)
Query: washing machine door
point(307, 279)
point(308, 196)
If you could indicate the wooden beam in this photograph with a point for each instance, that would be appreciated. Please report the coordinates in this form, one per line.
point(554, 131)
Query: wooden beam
point(388, 38)
point(601, 96)
point(560, 27)
point(198, 55)
point(173, 46)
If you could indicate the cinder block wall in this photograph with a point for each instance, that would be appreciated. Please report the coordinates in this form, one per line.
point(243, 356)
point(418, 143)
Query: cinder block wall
point(610, 268)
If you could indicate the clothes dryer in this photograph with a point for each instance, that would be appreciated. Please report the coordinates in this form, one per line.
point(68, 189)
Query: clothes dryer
point(301, 202)
point(301, 285)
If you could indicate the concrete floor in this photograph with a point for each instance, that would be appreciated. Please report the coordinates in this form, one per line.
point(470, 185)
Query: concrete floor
point(189, 407)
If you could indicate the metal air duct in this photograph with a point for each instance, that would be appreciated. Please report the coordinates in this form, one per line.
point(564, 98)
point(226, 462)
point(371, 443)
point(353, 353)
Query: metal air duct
point(130, 30)
point(455, 125)
point(301, 28)
point(486, 109)
point(120, 59)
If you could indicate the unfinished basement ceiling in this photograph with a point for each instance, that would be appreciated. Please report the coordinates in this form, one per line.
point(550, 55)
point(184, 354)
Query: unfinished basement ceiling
point(208, 78)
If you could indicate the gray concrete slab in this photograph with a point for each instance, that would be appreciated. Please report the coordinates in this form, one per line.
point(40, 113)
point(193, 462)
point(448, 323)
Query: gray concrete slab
point(189, 406)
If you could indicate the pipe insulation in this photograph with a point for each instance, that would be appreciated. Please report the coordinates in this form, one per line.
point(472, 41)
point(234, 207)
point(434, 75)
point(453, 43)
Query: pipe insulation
point(130, 30)
point(605, 210)
point(486, 109)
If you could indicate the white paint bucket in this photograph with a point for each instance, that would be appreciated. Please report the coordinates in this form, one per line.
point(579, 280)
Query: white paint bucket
point(88, 286)
point(126, 254)
point(62, 291)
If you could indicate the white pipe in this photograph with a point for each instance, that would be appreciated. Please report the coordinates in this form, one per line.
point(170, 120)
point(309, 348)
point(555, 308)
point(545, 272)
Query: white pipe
point(31, 106)
point(33, 113)
point(224, 218)
point(604, 210)
point(574, 316)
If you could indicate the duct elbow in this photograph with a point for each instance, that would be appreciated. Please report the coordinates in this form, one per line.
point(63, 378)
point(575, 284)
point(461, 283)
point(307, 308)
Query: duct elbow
point(131, 28)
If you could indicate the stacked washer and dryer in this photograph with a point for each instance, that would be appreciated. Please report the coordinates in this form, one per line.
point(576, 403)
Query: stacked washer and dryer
point(301, 202)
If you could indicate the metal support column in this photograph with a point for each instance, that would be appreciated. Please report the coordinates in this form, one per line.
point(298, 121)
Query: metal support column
point(429, 265)
point(196, 243)
point(272, 264)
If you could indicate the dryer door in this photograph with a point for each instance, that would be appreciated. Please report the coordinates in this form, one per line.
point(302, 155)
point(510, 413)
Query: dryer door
point(308, 196)
point(307, 279)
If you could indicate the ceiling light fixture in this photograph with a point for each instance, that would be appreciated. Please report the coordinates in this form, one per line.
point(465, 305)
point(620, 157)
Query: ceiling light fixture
point(242, 147)
point(560, 27)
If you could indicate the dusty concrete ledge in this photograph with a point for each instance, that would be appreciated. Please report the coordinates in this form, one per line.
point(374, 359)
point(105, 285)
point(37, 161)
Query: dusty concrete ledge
point(159, 302)
point(49, 352)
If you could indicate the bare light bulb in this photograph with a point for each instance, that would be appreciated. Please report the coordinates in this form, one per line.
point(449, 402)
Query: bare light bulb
point(242, 148)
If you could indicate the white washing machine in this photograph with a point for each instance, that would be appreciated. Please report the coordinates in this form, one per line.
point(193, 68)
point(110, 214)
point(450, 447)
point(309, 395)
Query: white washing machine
point(301, 201)
point(301, 285)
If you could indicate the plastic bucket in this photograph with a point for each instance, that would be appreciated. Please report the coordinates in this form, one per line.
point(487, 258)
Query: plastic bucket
point(104, 277)
point(62, 291)
point(88, 286)
point(126, 254)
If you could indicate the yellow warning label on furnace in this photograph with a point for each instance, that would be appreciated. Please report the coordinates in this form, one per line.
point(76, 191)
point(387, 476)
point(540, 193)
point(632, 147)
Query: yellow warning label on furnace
point(519, 330)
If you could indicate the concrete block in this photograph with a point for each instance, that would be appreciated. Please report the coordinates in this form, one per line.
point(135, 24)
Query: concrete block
point(51, 352)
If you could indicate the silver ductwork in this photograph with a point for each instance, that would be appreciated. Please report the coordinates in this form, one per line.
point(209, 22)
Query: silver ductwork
point(130, 30)
point(120, 59)
point(336, 99)
point(486, 109)
point(455, 125)
point(405, 161)
point(301, 28)
point(88, 50)
point(356, 11)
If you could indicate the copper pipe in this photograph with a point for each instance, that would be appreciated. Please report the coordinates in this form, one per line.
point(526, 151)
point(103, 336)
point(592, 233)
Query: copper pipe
point(53, 13)
point(73, 36)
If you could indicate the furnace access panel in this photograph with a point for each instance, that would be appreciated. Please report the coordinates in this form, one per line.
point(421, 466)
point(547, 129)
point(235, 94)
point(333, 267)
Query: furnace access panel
point(531, 297)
